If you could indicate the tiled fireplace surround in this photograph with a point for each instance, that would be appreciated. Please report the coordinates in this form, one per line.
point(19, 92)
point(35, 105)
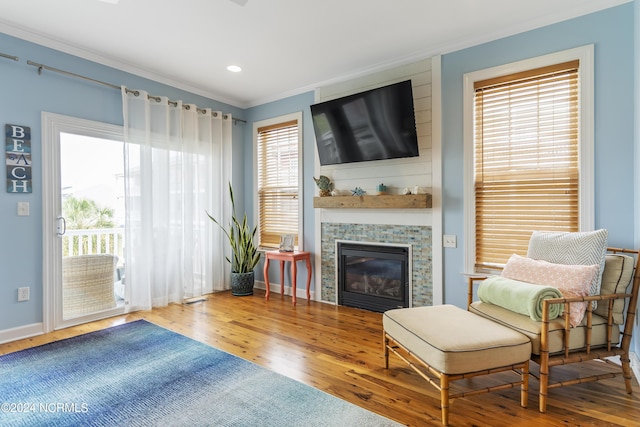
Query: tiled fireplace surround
point(418, 236)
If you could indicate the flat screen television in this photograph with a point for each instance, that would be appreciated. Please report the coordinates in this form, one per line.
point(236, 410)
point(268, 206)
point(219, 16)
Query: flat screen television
point(373, 125)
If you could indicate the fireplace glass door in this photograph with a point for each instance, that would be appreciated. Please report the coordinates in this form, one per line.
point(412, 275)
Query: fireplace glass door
point(373, 277)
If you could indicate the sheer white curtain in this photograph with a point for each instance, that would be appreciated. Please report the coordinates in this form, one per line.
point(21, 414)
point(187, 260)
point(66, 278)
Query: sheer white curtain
point(177, 161)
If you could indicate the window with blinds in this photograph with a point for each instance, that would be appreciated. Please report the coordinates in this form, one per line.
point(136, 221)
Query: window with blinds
point(278, 182)
point(526, 164)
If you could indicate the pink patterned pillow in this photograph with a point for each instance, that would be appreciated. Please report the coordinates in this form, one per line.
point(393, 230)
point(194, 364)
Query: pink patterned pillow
point(570, 280)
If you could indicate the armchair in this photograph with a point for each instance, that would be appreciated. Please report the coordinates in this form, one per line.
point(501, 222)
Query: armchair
point(604, 332)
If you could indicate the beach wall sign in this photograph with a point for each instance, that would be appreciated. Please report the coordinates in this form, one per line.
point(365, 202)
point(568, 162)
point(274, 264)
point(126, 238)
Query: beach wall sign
point(18, 158)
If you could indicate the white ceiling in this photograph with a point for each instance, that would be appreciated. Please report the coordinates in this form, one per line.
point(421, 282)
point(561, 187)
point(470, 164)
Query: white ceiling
point(285, 47)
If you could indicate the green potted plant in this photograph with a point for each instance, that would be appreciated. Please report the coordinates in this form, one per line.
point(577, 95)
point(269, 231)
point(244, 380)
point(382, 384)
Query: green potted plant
point(244, 252)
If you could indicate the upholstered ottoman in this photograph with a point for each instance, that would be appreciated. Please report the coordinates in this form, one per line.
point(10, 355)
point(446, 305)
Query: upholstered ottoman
point(449, 343)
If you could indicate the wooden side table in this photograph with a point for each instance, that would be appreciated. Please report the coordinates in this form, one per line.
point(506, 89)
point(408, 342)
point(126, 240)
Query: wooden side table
point(292, 257)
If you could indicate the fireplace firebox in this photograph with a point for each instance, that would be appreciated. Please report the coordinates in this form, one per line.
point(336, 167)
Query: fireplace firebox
point(373, 277)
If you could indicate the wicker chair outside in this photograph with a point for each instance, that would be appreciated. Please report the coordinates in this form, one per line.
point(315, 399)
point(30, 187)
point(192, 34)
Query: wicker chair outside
point(87, 284)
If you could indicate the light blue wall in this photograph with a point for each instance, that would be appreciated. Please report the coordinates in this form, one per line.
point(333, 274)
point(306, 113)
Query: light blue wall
point(267, 111)
point(25, 94)
point(611, 31)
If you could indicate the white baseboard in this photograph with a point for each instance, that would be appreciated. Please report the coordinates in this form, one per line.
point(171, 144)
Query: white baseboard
point(21, 332)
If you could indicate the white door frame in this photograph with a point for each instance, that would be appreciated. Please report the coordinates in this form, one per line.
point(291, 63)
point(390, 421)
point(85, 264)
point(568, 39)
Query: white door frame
point(52, 126)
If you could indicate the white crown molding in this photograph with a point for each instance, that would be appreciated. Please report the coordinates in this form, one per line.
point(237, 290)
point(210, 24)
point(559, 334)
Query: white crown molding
point(583, 8)
point(42, 40)
point(397, 62)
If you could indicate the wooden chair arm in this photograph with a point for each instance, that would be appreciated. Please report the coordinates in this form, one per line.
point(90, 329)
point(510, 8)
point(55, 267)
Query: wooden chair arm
point(587, 298)
point(471, 280)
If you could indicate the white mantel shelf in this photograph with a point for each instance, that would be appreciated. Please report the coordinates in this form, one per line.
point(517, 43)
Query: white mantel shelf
point(388, 201)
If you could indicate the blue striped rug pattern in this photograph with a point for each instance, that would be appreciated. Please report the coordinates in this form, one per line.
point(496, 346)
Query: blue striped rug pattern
point(139, 374)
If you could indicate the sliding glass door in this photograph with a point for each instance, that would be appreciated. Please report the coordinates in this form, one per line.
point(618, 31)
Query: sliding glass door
point(92, 201)
point(84, 212)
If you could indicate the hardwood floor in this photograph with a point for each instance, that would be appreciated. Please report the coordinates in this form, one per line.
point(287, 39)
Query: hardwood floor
point(339, 350)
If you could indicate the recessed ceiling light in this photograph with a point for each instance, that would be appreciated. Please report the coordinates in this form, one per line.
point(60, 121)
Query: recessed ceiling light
point(234, 68)
point(110, 1)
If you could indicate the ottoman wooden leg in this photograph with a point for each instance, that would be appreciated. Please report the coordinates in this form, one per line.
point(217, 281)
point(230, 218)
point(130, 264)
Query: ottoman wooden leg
point(444, 398)
point(385, 345)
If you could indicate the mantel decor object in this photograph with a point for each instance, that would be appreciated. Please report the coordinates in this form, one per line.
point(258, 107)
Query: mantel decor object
point(286, 242)
point(358, 192)
point(324, 184)
point(382, 189)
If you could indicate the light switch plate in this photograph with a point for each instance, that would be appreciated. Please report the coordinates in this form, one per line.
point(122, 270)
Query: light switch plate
point(449, 241)
point(23, 208)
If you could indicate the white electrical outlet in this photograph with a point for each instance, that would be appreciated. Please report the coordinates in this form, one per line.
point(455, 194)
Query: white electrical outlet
point(449, 241)
point(23, 294)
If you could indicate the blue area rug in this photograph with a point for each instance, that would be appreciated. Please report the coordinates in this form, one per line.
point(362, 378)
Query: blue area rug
point(139, 374)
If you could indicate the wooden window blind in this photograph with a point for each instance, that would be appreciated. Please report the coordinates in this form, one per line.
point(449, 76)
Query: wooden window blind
point(278, 182)
point(526, 159)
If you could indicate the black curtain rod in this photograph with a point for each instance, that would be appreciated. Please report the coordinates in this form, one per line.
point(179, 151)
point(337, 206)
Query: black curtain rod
point(67, 73)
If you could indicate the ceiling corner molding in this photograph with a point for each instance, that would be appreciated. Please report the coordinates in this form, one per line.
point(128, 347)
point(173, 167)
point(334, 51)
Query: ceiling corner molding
point(48, 42)
point(585, 8)
point(552, 18)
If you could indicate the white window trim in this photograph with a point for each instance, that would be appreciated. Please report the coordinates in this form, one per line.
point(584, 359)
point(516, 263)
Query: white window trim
point(256, 207)
point(586, 136)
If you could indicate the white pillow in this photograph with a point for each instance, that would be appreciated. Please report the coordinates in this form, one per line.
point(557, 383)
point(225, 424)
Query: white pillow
point(579, 248)
point(570, 280)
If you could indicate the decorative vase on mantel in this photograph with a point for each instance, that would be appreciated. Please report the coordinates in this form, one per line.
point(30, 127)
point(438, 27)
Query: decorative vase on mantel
point(242, 283)
point(324, 184)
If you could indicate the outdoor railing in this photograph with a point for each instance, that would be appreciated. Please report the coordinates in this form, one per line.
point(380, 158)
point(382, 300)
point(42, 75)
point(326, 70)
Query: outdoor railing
point(94, 241)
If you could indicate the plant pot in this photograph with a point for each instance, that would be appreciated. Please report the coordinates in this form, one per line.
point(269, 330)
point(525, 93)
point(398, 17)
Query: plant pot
point(242, 283)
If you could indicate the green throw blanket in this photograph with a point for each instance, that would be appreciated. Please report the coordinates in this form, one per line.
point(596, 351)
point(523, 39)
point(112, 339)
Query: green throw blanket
point(520, 297)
